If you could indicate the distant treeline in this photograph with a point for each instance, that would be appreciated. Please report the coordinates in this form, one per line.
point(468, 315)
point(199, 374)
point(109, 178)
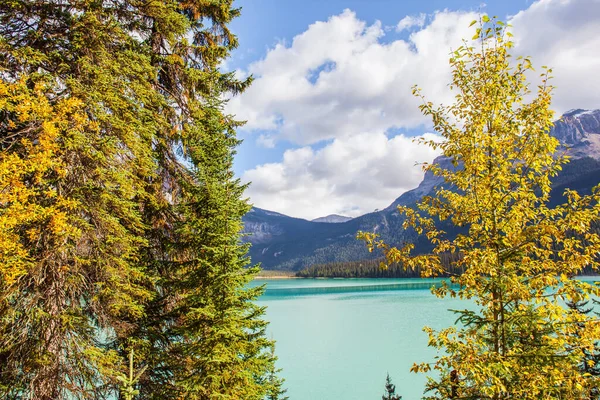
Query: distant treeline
point(370, 269)
point(373, 269)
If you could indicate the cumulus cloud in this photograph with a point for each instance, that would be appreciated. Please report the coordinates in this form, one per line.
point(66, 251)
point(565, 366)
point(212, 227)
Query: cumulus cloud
point(338, 79)
point(340, 84)
point(564, 35)
point(266, 141)
point(351, 176)
point(411, 21)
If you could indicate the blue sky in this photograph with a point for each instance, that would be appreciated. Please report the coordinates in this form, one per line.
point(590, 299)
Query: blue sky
point(264, 23)
point(330, 114)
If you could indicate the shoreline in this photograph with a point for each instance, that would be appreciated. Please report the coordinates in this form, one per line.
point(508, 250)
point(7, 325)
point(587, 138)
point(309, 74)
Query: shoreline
point(274, 274)
point(277, 276)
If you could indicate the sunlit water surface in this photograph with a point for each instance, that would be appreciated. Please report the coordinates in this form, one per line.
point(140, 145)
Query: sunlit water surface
point(337, 338)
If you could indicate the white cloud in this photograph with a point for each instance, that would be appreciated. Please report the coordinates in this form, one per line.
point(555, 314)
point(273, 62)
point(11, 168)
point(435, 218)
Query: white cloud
point(564, 35)
point(411, 21)
point(266, 141)
point(350, 176)
point(339, 82)
point(338, 78)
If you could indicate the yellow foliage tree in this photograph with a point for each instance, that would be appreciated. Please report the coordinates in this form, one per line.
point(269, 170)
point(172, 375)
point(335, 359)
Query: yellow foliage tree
point(50, 282)
point(519, 254)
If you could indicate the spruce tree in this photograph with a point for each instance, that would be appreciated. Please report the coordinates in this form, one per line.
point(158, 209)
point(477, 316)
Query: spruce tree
point(276, 390)
point(75, 149)
point(390, 390)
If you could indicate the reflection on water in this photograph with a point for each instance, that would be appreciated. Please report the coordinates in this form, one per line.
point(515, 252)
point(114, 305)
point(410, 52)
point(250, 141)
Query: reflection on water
point(338, 289)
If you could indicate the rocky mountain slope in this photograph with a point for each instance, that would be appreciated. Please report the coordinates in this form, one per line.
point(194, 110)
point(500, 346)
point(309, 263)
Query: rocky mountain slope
point(286, 243)
point(579, 131)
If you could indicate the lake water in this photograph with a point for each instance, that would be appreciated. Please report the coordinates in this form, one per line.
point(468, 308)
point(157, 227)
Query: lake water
point(337, 338)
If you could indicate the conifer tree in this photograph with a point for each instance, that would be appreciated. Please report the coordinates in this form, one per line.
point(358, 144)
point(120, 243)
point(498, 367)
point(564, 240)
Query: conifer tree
point(276, 390)
point(390, 390)
point(109, 243)
point(519, 255)
point(74, 150)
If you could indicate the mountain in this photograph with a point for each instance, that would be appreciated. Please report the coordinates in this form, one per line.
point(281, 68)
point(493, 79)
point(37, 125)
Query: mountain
point(579, 131)
point(332, 219)
point(286, 243)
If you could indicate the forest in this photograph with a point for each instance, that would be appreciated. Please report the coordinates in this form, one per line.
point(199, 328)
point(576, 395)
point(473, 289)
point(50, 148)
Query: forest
point(376, 268)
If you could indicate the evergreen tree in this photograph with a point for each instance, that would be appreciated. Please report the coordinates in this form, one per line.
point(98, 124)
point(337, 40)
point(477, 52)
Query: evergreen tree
point(276, 390)
point(108, 242)
point(390, 390)
point(74, 153)
point(518, 253)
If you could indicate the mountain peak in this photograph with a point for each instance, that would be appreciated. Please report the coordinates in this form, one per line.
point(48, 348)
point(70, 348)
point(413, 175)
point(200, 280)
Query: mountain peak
point(578, 130)
point(577, 112)
point(332, 219)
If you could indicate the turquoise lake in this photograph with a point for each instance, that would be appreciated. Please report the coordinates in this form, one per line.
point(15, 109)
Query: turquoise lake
point(337, 338)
